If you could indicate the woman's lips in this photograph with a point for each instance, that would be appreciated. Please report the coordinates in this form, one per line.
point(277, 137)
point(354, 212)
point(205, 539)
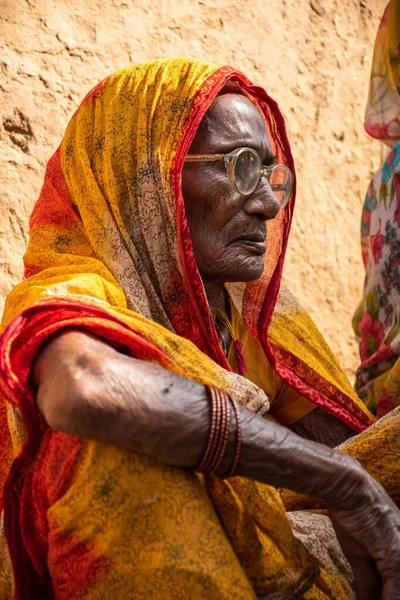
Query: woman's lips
point(257, 247)
point(256, 243)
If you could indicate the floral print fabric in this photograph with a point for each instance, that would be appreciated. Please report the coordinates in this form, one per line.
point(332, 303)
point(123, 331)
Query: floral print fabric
point(377, 319)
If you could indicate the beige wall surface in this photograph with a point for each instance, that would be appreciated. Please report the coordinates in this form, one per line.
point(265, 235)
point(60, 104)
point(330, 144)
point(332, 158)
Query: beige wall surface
point(313, 56)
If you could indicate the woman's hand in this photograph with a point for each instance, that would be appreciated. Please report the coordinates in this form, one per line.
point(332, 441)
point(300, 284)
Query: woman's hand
point(367, 524)
point(365, 519)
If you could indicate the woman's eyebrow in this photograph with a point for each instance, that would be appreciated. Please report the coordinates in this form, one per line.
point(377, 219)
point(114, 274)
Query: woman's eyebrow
point(269, 158)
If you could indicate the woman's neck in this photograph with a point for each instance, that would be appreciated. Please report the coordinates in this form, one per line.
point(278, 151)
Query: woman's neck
point(217, 297)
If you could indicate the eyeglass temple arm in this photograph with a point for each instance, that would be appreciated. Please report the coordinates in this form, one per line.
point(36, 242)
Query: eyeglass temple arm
point(204, 157)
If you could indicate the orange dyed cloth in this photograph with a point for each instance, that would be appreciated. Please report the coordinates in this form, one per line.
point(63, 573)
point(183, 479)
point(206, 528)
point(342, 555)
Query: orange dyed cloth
point(110, 252)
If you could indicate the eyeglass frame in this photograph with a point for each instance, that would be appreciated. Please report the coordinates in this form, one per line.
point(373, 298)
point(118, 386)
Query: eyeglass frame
point(230, 159)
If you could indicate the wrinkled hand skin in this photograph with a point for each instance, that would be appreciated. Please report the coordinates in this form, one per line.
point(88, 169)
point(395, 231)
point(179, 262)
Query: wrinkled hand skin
point(369, 534)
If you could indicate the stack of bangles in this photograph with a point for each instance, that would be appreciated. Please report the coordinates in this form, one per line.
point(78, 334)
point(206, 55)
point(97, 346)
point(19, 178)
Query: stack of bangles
point(219, 433)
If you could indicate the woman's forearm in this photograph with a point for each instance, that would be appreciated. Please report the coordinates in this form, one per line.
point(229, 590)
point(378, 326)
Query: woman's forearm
point(275, 455)
point(88, 389)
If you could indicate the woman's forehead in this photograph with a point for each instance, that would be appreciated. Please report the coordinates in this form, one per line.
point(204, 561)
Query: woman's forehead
point(233, 119)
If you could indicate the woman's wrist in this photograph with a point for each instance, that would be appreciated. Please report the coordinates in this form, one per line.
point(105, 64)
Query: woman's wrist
point(351, 487)
point(274, 455)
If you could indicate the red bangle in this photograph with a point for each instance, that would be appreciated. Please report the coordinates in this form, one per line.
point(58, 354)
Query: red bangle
point(208, 451)
point(223, 432)
point(215, 447)
point(219, 433)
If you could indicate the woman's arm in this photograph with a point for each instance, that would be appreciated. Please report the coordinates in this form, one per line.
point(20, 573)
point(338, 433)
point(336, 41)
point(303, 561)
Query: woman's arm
point(88, 389)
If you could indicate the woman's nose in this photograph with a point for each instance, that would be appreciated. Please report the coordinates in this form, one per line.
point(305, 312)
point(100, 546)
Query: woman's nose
point(263, 201)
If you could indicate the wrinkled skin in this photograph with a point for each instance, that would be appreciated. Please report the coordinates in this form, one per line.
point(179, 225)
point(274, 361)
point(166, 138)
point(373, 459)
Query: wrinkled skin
point(223, 224)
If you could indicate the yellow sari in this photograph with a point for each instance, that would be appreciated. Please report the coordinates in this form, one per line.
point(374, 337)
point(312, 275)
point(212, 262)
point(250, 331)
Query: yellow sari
point(110, 252)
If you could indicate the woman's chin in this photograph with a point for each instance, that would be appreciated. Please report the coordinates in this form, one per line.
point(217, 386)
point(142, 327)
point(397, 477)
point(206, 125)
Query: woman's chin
point(250, 270)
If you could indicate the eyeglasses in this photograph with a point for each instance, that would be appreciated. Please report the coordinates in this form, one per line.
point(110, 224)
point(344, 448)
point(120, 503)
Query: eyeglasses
point(245, 170)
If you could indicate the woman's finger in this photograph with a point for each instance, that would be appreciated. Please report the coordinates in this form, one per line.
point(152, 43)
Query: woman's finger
point(391, 588)
point(368, 582)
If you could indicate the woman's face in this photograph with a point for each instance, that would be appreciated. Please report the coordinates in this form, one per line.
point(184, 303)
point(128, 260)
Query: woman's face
point(228, 230)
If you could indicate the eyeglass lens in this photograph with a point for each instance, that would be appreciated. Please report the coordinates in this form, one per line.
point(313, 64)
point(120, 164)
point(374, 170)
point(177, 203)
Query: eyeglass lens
point(247, 173)
point(281, 184)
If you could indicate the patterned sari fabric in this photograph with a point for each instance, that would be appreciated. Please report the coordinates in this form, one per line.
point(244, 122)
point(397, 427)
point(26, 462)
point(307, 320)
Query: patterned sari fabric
point(377, 319)
point(110, 252)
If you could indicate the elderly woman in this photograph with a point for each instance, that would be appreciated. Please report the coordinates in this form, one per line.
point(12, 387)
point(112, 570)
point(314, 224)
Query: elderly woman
point(152, 369)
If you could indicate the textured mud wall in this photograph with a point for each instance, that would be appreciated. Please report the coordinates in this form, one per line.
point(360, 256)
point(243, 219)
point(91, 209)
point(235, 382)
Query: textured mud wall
point(313, 56)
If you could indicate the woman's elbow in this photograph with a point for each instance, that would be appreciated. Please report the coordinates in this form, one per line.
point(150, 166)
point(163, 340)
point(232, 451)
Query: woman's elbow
point(67, 373)
point(59, 400)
